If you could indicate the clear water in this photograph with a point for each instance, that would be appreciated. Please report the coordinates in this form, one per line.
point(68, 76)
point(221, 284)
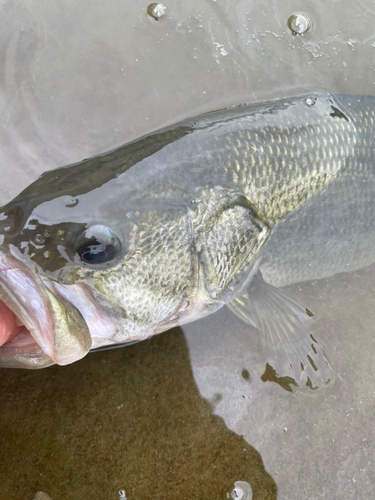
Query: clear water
point(186, 414)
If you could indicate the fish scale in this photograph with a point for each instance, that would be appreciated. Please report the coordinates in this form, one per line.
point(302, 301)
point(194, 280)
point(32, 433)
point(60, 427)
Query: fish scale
point(267, 179)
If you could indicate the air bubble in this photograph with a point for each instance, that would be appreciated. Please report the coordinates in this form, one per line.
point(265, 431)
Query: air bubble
point(299, 24)
point(310, 101)
point(241, 491)
point(156, 10)
point(237, 493)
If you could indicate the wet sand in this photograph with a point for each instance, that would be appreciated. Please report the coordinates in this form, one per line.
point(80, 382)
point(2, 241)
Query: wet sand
point(128, 419)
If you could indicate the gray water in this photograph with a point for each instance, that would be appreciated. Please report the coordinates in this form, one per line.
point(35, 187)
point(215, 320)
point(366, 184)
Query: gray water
point(185, 415)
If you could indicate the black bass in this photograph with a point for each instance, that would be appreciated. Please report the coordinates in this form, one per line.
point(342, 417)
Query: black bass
point(170, 228)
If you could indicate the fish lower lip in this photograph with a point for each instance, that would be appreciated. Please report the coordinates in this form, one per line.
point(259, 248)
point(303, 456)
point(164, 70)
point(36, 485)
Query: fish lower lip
point(23, 352)
point(56, 327)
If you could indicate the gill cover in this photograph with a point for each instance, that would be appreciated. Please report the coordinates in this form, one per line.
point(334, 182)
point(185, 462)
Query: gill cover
point(229, 235)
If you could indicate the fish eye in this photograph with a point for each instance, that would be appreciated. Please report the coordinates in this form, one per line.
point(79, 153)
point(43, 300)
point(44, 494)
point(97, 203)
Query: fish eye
point(97, 245)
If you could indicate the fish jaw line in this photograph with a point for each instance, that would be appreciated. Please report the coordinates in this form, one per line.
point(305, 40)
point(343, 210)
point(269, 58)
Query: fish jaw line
point(107, 330)
point(102, 327)
point(27, 298)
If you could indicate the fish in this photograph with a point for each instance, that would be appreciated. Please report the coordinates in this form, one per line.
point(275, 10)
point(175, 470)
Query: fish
point(218, 210)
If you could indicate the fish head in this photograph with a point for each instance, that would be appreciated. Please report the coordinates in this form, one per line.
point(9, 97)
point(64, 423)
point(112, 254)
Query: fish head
point(116, 249)
point(70, 286)
point(88, 271)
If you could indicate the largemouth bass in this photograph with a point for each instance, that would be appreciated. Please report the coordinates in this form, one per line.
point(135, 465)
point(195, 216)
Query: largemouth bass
point(171, 227)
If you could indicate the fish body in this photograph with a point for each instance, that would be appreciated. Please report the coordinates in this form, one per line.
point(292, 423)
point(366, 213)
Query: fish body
point(170, 228)
point(332, 232)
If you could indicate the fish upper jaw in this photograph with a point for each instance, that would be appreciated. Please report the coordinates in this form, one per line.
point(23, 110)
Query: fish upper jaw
point(104, 329)
point(46, 334)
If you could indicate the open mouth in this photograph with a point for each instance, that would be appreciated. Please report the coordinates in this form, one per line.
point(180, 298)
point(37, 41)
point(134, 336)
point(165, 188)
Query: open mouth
point(37, 328)
point(11, 326)
point(20, 300)
point(17, 346)
point(12, 330)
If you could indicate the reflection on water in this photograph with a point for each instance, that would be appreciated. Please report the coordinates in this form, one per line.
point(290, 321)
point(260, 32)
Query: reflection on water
point(316, 444)
point(76, 81)
point(129, 419)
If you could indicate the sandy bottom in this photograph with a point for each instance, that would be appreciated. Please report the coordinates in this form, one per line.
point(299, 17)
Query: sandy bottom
point(128, 419)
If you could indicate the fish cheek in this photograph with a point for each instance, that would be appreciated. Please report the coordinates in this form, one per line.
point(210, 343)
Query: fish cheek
point(156, 275)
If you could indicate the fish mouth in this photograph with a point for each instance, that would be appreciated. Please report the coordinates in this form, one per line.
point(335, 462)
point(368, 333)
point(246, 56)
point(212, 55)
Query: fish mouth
point(37, 328)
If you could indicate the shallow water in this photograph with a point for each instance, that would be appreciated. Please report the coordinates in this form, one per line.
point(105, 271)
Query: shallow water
point(128, 419)
point(183, 415)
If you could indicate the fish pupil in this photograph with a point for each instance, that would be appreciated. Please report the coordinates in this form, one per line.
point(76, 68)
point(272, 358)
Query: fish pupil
point(97, 244)
point(97, 253)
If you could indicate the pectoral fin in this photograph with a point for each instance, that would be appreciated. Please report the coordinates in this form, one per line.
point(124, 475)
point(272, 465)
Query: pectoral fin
point(284, 324)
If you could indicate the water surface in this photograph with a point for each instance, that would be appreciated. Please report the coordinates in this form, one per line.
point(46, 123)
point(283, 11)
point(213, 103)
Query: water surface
point(182, 415)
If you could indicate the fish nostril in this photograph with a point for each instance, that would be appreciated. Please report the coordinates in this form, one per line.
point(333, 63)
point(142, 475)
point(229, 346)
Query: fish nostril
point(39, 239)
